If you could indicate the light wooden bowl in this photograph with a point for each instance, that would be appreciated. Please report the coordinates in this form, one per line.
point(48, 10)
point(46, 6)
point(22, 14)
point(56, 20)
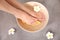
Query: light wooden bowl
point(35, 28)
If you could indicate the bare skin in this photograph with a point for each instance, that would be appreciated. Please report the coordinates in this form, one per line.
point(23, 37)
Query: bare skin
point(23, 7)
point(18, 13)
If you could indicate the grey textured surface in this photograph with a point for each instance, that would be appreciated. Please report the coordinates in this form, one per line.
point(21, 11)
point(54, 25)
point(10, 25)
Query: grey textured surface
point(7, 21)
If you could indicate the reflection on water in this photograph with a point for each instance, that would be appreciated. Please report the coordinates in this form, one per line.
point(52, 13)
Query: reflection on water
point(30, 27)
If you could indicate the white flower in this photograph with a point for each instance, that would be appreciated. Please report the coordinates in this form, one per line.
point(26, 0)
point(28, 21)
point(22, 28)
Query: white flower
point(11, 31)
point(49, 35)
point(36, 8)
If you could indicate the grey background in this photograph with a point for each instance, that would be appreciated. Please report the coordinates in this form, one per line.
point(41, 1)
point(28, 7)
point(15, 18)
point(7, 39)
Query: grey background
point(8, 21)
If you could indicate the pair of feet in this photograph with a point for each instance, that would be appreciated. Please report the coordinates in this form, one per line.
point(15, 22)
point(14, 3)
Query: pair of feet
point(21, 11)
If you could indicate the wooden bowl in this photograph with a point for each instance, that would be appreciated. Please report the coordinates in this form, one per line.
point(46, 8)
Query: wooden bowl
point(37, 26)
